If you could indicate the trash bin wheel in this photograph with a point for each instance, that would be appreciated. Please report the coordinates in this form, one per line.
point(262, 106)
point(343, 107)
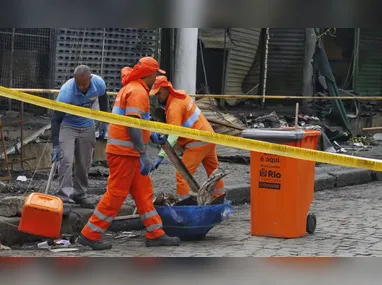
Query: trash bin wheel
point(311, 222)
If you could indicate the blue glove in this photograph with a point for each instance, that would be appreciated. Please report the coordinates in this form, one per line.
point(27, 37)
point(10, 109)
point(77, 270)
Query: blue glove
point(157, 162)
point(102, 130)
point(157, 138)
point(146, 164)
point(55, 153)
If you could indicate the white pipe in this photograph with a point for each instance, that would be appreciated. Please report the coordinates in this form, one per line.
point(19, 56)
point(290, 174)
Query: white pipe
point(185, 60)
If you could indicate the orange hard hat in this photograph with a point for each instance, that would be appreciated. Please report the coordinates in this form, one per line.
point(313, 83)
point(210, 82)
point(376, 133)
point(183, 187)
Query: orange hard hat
point(162, 81)
point(145, 67)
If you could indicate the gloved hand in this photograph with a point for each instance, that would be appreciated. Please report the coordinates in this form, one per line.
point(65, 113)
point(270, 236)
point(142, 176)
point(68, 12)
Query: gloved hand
point(157, 162)
point(55, 153)
point(146, 164)
point(102, 130)
point(157, 138)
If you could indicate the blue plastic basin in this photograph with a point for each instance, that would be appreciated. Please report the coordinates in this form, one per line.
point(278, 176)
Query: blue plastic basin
point(193, 222)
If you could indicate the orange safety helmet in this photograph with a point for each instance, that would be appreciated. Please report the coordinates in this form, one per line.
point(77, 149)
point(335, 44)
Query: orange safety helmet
point(162, 81)
point(145, 67)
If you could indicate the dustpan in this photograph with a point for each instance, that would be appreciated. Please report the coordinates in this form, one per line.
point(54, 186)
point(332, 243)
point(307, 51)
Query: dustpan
point(42, 213)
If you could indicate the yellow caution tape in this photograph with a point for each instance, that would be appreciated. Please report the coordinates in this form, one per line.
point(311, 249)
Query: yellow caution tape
point(230, 141)
point(222, 96)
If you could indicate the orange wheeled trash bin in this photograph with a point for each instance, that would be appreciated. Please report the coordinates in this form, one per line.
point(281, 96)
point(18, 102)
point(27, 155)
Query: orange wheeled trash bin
point(282, 188)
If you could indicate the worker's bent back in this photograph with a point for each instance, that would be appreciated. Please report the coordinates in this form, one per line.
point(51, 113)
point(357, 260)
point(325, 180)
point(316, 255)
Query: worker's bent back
point(185, 113)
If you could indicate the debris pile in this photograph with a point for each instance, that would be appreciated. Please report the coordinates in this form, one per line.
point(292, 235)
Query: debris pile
point(267, 121)
point(204, 196)
point(222, 123)
point(356, 145)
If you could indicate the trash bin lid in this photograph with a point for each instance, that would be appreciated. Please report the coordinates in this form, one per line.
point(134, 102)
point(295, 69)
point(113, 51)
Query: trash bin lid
point(274, 135)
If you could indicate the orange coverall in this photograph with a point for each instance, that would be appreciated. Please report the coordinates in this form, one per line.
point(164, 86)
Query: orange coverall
point(181, 110)
point(124, 165)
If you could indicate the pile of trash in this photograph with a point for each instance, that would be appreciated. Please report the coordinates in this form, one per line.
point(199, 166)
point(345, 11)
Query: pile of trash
point(305, 122)
point(356, 145)
point(273, 121)
point(65, 244)
point(267, 121)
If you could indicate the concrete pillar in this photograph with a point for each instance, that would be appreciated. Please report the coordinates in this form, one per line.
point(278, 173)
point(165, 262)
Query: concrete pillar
point(186, 59)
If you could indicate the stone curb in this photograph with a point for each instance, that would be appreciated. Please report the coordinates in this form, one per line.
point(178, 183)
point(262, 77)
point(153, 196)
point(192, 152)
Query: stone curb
point(240, 194)
point(71, 225)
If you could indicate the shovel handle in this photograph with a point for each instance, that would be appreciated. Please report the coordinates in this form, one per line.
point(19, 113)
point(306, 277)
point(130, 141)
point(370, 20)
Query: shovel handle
point(51, 174)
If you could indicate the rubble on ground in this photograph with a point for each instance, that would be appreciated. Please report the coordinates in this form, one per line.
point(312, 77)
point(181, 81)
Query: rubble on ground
point(11, 206)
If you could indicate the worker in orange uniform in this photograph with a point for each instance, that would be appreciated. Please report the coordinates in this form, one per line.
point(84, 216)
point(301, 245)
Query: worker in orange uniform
point(129, 164)
point(181, 110)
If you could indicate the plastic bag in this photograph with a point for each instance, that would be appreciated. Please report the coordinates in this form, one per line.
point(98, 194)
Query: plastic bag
point(193, 222)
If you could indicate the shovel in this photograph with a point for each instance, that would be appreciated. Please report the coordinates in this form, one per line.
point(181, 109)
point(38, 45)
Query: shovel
point(51, 174)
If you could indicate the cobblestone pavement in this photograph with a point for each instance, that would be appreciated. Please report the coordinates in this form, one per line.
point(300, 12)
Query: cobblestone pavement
point(348, 224)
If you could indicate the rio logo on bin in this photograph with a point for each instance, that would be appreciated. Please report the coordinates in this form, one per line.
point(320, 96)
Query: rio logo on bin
point(270, 179)
point(270, 173)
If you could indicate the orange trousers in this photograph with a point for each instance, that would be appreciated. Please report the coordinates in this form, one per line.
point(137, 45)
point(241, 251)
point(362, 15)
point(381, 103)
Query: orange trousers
point(192, 158)
point(124, 178)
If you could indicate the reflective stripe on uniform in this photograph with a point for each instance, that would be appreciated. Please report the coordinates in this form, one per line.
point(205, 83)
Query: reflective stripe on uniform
point(102, 216)
point(134, 110)
point(120, 142)
point(149, 215)
point(191, 120)
point(154, 227)
point(119, 110)
point(195, 144)
point(219, 191)
point(144, 115)
point(95, 228)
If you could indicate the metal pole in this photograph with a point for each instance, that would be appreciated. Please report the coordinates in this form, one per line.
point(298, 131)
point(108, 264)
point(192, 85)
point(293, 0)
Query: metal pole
point(356, 57)
point(6, 165)
point(11, 67)
point(157, 45)
point(22, 135)
point(103, 50)
point(265, 65)
point(221, 101)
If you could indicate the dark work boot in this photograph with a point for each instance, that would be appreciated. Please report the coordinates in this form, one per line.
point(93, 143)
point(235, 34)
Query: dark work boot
point(67, 209)
point(84, 203)
point(95, 245)
point(164, 240)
